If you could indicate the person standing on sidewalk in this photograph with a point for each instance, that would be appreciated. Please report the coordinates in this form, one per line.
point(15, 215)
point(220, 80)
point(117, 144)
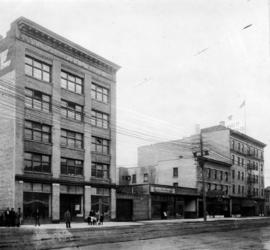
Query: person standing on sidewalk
point(67, 216)
point(37, 217)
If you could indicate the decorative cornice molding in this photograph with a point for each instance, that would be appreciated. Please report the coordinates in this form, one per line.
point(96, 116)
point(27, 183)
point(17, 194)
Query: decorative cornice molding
point(60, 43)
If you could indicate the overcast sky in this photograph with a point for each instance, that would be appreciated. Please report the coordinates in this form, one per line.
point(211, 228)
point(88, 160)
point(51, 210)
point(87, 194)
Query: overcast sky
point(184, 62)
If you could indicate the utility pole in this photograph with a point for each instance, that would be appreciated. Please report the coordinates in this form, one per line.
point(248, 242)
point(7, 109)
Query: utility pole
point(201, 163)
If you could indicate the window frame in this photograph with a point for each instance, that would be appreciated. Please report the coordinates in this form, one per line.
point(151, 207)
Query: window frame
point(100, 170)
point(100, 145)
point(98, 90)
point(33, 160)
point(34, 129)
point(175, 172)
point(71, 79)
point(71, 136)
point(103, 119)
point(34, 68)
point(37, 97)
point(68, 107)
point(77, 166)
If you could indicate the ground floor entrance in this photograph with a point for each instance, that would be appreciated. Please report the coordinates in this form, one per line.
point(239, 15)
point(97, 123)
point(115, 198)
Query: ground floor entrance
point(52, 200)
point(74, 204)
point(124, 209)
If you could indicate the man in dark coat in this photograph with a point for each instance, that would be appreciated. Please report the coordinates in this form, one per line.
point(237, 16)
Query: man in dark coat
point(12, 217)
point(7, 218)
point(67, 216)
point(37, 216)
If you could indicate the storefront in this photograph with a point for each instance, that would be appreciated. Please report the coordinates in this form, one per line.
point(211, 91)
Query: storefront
point(36, 196)
point(158, 202)
point(100, 201)
point(71, 198)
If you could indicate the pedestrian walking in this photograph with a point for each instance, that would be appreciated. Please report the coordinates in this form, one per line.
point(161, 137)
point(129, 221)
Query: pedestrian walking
point(67, 216)
point(19, 217)
point(37, 217)
point(7, 218)
point(97, 217)
point(12, 217)
point(101, 218)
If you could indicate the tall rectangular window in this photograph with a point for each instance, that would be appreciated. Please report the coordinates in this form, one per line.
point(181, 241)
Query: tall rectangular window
point(145, 177)
point(100, 145)
point(238, 161)
point(209, 173)
point(71, 166)
point(226, 176)
point(71, 82)
point(37, 162)
point(37, 132)
point(233, 173)
point(99, 93)
point(100, 170)
point(71, 110)
point(233, 159)
point(134, 178)
point(37, 69)
point(71, 139)
point(37, 100)
point(99, 119)
point(175, 172)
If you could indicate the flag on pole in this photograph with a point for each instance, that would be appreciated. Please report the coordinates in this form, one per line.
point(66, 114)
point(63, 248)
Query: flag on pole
point(243, 104)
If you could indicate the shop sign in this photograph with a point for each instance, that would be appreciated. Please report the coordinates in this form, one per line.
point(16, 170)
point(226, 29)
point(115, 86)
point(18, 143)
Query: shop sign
point(162, 190)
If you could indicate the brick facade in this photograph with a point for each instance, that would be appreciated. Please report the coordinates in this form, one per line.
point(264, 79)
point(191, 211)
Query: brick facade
point(18, 186)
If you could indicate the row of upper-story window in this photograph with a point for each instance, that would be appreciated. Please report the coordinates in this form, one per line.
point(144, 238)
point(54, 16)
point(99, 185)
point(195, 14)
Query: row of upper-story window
point(43, 133)
point(43, 71)
point(250, 191)
point(41, 163)
point(217, 174)
point(37, 100)
point(251, 178)
point(216, 187)
point(252, 165)
point(246, 149)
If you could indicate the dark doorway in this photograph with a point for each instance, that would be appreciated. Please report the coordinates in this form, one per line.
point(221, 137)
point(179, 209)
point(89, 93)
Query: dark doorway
point(72, 203)
point(164, 210)
point(124, 209)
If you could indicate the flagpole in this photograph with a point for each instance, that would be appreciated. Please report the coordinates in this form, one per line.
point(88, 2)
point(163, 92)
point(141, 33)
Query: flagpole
point(245, 116)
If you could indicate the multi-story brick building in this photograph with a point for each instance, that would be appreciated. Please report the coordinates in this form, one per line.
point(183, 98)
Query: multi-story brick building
point(267, 201)
point(57, 121)
point(247, 171)
point(176, 177)
point(234, 171)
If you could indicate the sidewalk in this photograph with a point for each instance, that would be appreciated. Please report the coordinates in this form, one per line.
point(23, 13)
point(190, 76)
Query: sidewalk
point(137, 223)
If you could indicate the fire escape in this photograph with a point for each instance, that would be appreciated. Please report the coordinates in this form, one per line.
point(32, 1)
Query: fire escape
point(250, 178)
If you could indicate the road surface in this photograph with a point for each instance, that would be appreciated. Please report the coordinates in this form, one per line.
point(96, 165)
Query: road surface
point(251, 238)
point(212, 235)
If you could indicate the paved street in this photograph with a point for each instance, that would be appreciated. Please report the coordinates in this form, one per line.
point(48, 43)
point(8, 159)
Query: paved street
point(250, 238)
point(253, 233)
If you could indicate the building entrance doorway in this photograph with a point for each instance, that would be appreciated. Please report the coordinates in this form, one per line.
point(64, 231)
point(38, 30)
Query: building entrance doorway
point(73, 203)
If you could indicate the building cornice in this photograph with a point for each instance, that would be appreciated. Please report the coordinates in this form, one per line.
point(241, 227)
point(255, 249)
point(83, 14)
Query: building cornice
point(34, 30)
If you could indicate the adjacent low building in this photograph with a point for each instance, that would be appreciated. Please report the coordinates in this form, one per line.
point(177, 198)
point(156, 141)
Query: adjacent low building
point(57, 120)
point(233, 174)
